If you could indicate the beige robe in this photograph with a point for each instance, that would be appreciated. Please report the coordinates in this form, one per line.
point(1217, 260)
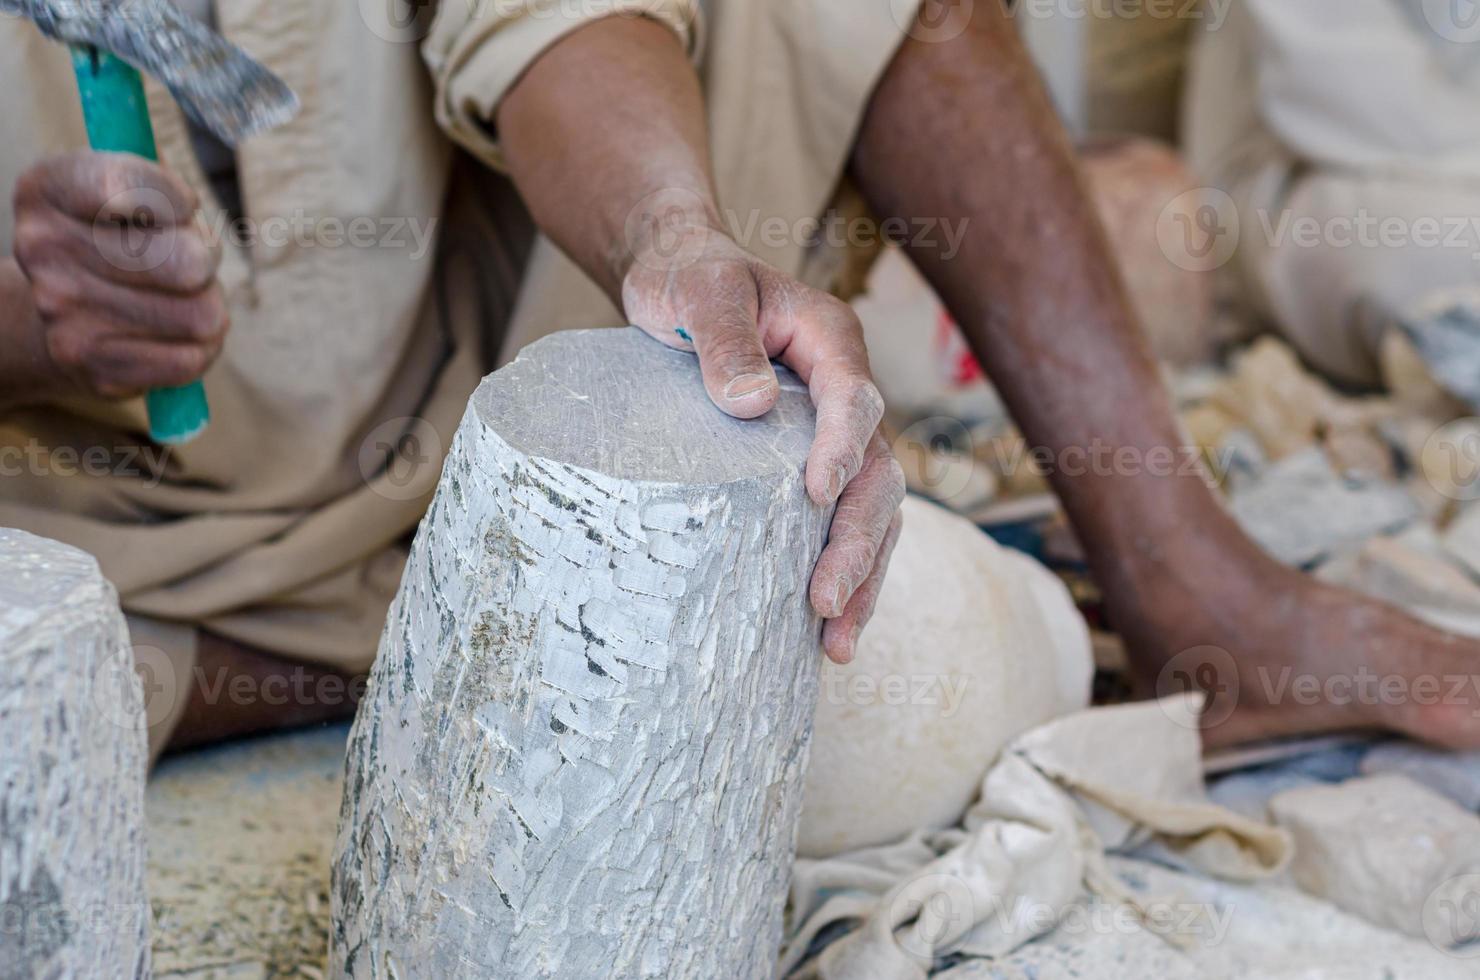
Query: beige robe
point(348, 365)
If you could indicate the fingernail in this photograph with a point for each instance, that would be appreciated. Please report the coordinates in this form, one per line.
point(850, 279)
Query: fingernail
point(839, 481)
point(841, 602)
point(747, 384)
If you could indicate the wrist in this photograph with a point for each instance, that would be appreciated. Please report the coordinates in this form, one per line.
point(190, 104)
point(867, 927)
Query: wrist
point(26, 369)
point(665, 230)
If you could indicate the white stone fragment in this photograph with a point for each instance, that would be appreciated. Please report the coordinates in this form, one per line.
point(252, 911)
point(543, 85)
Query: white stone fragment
point(1301, 510)
point(73, 761)
point(1389, 850)
point(582, 750)
point(1455, 775)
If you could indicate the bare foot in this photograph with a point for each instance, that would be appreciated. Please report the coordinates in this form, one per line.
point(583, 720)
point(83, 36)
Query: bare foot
point(1283, 654)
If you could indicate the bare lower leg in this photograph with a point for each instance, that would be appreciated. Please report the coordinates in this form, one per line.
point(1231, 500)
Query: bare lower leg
point(236, 691)
point(962, 129)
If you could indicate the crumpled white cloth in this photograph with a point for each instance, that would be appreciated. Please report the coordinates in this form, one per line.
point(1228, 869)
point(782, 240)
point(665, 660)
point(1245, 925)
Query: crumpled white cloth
point(1056, 800)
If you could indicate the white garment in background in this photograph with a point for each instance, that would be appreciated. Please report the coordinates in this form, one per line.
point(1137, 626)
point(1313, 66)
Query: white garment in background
point(1340, 115)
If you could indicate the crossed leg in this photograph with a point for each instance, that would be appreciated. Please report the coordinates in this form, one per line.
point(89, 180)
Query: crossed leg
point(960, 127)
point(235, 691)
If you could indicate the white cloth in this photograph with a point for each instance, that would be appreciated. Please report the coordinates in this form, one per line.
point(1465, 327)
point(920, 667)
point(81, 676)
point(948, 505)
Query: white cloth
point(1347, 134)
point(1057, 799)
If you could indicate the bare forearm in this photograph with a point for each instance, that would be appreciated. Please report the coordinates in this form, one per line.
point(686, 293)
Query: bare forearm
point(963, 129)
point(604, 134)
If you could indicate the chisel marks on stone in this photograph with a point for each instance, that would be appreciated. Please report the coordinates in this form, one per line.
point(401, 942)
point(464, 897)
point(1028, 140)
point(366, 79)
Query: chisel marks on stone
point(595, 770)
point(72, 770)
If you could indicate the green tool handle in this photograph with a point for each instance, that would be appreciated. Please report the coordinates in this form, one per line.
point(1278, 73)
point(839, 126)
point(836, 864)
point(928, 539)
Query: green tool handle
point(117, 118)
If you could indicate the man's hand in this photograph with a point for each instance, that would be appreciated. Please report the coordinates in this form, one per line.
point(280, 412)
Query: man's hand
point(594, 170)
point(697, 290)
point(122, 278)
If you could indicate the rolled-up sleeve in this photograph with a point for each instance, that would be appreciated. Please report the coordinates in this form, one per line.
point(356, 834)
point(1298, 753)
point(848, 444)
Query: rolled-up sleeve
point(478, 49)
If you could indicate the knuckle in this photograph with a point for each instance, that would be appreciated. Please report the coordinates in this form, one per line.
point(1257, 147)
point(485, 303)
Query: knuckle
point(181, 363)
point(868, 402)
point(55, 295)
point(34, 237)
point(191, 265)
point(28, 188)
point(894, 484)
point(838, 314)
point(204, 319)
point(109, 387)
point(69, 350)
point(115, 176)
point(195, 361)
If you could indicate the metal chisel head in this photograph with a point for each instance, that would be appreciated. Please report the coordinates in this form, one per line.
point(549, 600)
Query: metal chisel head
point(218, 84)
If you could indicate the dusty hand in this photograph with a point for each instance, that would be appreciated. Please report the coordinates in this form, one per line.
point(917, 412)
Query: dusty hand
point(123, 279)
point(739, 313)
